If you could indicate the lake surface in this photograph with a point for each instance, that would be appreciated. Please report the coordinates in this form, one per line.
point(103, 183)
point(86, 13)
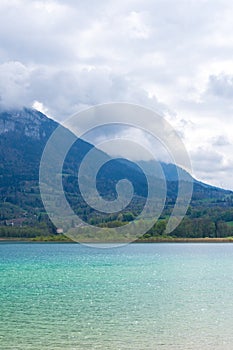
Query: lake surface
point(140, 296)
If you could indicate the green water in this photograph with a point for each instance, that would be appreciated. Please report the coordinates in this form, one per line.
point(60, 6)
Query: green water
point(141, 296)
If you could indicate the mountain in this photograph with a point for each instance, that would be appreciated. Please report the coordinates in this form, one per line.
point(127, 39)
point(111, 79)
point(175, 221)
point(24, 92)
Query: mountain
point(23, 136)
point(201, 190)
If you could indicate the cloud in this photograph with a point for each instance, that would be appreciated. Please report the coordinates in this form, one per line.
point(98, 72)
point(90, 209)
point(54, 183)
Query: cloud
point(63, 92)
point(207, 159)
point(220, 86)
point(14, 85)
point(172, 56)
point(141, 145)
point(221, 141)
point(212, 166)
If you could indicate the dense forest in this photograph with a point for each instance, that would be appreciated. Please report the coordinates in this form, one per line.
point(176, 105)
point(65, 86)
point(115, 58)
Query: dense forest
point(22, 215)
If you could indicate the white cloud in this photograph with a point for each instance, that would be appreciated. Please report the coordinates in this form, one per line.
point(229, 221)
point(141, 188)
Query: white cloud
point(172, 56)
point(137, 27)
point(14, 85)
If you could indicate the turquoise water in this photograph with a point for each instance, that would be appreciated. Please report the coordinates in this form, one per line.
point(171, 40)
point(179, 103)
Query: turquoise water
point(141, 296)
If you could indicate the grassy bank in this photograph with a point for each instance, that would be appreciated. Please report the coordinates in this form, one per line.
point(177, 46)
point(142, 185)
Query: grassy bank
point(167, 239)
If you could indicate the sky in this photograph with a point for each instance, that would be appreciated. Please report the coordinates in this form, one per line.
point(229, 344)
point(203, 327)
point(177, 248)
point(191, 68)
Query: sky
point(172, 56)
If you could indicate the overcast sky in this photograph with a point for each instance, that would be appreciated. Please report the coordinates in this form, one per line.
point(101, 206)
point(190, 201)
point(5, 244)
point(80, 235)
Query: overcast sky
point(175, 57)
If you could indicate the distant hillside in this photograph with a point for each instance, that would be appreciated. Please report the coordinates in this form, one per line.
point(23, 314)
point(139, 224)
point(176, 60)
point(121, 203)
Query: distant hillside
point(23, 136)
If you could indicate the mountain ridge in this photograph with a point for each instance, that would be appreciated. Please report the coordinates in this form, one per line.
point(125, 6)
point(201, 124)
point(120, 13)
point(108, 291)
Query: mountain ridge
point(23, 136)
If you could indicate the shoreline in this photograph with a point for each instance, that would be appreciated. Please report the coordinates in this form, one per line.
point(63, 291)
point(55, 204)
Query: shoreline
point(150, 240)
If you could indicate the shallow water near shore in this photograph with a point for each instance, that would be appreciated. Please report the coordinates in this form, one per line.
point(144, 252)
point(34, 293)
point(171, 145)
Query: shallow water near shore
point(140, 296)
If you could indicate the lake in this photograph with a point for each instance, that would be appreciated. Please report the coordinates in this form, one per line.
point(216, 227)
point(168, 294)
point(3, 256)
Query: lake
point(140, 296)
